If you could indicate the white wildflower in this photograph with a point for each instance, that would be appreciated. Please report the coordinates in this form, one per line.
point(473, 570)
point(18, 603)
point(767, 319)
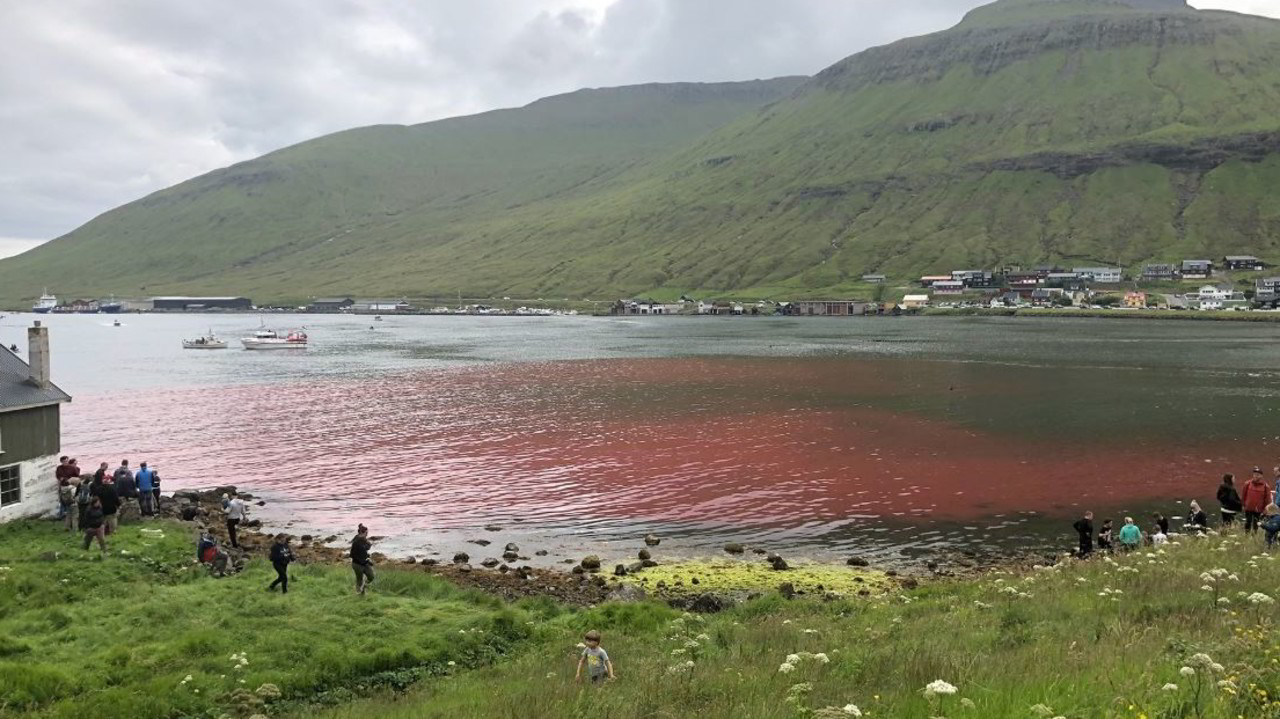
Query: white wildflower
point(852, 710)
point(786, 668)
point(1260, 598)
point(967, 703)
point(821, 658)
point(1169, 688)
point(938, 686)
point(793, 659)
point(1187, 672)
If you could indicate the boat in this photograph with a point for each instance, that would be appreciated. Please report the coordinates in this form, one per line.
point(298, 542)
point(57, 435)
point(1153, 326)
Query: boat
point(377, 318)
point(265, 339)
point(46, 304)
point(115, 323)
point(111, 306)
point(207, 342)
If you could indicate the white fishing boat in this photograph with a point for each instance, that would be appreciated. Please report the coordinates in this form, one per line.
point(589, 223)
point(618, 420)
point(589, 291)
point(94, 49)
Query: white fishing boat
point(116, 323)
point(206, 342)
point(265, 339)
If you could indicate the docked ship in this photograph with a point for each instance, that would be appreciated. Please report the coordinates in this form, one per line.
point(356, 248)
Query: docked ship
point(110, 306)
point(46, 304)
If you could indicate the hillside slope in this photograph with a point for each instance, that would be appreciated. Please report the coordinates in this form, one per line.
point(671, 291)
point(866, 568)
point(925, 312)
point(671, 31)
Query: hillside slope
point(328, 207)
point(1084, 131)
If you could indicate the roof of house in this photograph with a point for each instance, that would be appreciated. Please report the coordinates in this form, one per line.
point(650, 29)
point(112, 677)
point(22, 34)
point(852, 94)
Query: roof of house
point(916, 298)
point(1197, 262)
point(330, 300)
point(197, 299)
point(1242, 258)
point(16, 392)
point(1159, 267)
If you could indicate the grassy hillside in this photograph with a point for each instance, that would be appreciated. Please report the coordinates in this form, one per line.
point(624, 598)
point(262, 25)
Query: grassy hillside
point(1080, 131)
point(307, 219)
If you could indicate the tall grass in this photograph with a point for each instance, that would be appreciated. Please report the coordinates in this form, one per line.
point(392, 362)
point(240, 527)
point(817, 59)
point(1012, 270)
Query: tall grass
point(1092, 639)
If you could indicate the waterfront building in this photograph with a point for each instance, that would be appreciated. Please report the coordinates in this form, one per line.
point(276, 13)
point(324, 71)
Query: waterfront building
point(379, 306)
point(330, 304)
point(200, 304)
point(1135, 300)
point(1212, 297)
point(826, 308)
point(30, 430)
point(915, 302)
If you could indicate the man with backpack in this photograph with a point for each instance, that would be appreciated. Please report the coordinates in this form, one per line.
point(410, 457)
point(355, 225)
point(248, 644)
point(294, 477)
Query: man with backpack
point(126, 485)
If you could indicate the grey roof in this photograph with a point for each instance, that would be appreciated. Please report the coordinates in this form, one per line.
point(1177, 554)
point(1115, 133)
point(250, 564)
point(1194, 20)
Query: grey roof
point(16, 392)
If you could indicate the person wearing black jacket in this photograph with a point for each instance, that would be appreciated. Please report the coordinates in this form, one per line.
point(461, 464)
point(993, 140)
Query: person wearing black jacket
point(1084, 527)
point(93, 525)
point(281, 555)
point(361, 563)
point(1229, 498)
point(110, 502)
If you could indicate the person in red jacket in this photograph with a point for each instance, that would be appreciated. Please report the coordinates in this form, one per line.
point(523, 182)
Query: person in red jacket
point(1255, 498)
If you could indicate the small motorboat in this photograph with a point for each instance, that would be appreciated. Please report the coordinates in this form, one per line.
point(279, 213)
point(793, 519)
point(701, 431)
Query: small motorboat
point(207, 342)
point(265, 339)
point(377, 318)
point(116, 323)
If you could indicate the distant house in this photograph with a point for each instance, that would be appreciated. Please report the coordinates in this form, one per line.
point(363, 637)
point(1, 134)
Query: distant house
point(827, 308)
point(1100, 275)
point(1267, 292)
point(1023, 279)
point(330, 304)
point(1044, 296)
point(1135, 300)
point(1196, 269)
point(948, 287)
point(874, 279)
point(200, 304)
point(1267, 284)
point(89, 306)
point(976, 278)
point(915, 302)
point(1243, 262)
point(30, 430)
point(648, 307)
point(1159, 272)
point(1046, 270)
point(1066, 280)
point(1212, 297)
point(929, 280)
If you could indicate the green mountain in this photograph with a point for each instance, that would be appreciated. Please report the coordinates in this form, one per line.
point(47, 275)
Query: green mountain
point(1083, 131)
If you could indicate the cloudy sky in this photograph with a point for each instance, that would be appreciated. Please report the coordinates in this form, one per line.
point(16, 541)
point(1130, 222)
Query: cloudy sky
point(103, 102)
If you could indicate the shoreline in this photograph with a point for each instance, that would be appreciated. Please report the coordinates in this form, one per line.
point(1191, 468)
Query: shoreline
point(694, 583)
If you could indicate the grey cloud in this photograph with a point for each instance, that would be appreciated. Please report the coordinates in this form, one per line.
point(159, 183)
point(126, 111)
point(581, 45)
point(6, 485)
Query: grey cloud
point(101, 103)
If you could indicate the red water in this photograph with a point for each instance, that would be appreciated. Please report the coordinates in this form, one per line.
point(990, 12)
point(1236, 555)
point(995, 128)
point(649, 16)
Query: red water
point(781, 448)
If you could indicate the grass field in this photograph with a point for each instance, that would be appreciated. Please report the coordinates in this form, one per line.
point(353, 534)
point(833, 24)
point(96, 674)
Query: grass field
point(1184, 631)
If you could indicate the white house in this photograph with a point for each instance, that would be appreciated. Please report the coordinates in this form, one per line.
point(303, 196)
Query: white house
point(30, 430)
point(1211, 297)
point(1100, 275)
point(915, 302)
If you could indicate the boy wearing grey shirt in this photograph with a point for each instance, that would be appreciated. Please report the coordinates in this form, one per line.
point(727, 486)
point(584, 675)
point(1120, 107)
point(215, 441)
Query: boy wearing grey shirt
point(595, 659)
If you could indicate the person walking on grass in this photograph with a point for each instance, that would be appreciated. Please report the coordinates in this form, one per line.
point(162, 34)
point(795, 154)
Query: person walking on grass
point(60, 477)
point(109, 501)
point(1104, 537)
point(281, 555)
point(1084, 528)
point(1130, 535)
point(236, 510)
point(1229, 499)
point(67, 508)
point(1271, 523)
point(84, 497)
point(595, 659)
point(1197, 520)
point(145, 479)
point(94, 525)
point(1255, 498)
point(361, 562)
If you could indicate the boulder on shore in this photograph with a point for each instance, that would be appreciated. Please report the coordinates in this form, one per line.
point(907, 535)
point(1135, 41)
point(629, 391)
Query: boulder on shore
point(652, 540)
point(490, 562)
point(858, 562)
point(734, 548)
point(461, 558)
point(591, 563)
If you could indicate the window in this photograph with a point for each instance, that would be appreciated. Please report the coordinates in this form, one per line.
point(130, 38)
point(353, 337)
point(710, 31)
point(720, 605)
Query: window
point(10, 485)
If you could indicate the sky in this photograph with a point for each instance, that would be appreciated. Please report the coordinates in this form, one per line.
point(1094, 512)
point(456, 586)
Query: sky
point(104, 102)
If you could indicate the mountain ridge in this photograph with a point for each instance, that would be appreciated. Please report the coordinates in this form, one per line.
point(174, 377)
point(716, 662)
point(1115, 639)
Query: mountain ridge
point(1029, 132)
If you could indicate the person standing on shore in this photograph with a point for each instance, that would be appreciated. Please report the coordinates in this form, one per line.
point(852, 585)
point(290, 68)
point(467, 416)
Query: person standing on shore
point(1084, 528)
point(145, 478)
point(236, 510)
point(84, 497)
point(1255, 498)
point(361, 562)
point(1104, 537)
point(60, 477)
point(155, 490)
point(1130, 535)
point(281, 555)
point(67, 488)
point(100, 476)
point(126, 489)
point(94, 525)
point(1229, 499)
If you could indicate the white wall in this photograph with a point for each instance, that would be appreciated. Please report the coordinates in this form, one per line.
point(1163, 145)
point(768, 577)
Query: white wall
point(39, 494)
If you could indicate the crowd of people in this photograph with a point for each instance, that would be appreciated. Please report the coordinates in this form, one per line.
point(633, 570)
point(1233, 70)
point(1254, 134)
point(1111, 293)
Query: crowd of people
point(91, 503)
point(1256, 500)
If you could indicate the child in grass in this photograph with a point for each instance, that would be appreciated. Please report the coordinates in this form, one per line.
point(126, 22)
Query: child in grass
point(1104, 537)
point(595, 659)
point(1271, 523)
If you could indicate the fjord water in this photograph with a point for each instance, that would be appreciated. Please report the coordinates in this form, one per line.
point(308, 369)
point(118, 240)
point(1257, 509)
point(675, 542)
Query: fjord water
point(810, 437)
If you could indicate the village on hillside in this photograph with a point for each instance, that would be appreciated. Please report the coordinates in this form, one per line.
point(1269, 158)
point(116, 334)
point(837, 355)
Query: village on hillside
point(1236, 282)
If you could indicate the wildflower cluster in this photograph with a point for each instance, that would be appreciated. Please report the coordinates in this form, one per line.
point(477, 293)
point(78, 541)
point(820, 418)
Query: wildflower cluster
point(689, 645)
